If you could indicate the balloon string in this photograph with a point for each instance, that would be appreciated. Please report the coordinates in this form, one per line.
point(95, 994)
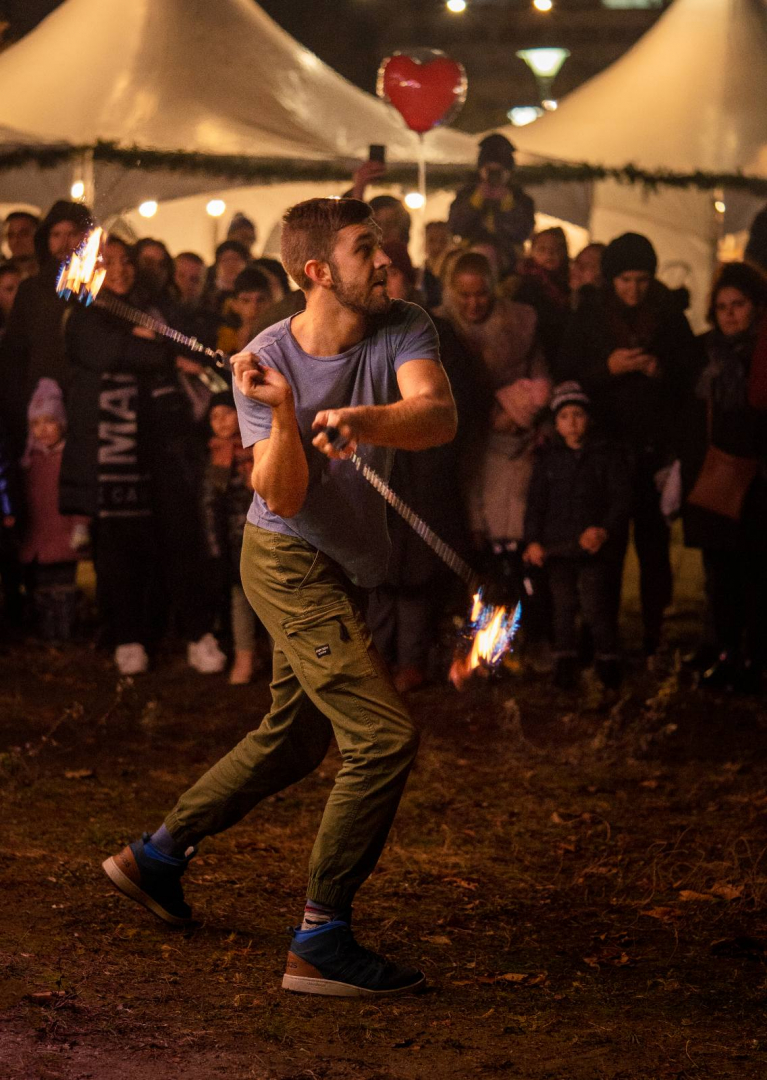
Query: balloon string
point(422, 189)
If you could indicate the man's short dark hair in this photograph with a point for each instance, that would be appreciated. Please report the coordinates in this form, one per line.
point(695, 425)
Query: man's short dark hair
point(23, 215)
point(251, 280)
point(309, 231)
point(190, 256)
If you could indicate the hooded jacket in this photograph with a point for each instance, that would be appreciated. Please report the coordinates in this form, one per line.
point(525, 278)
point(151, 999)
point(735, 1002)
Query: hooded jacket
point(33, 345)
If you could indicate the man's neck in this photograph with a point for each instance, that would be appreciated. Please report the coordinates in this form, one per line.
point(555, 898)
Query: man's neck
point(326, 327)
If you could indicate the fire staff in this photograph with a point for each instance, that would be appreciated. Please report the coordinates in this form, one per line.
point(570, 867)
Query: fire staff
point(316, 537)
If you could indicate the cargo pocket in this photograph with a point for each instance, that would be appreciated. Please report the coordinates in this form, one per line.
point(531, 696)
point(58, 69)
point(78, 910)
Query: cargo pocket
point(330, 646)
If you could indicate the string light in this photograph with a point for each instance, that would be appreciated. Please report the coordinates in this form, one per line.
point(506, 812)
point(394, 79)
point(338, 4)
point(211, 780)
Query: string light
point(543, 5)
point(148, 209)
point(216, 207)
point(77, 190)
point(414, 200)
point(456, 6)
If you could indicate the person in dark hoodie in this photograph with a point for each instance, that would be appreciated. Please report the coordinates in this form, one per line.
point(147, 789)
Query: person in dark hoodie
point(577, 510)
point(631, 347)
point(127, 465)
point(33, 344)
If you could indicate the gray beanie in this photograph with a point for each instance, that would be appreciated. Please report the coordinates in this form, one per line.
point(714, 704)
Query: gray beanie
point(569, 393)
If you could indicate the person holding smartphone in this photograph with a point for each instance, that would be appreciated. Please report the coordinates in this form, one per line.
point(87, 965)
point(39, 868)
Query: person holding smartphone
point(491, 209)
point(389, 213)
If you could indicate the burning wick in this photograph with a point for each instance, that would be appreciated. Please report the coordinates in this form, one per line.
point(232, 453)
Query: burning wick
point(492, 631)
point(82, 275)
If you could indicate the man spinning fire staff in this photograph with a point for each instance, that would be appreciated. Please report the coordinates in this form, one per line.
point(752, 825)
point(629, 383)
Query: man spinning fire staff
point(316, 537)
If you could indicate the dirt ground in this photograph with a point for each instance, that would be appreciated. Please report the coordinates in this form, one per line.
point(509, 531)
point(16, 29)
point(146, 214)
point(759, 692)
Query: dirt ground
point(584, 887)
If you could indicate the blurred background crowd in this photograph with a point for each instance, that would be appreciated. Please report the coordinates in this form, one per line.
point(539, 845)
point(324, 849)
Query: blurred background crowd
point(590, 418)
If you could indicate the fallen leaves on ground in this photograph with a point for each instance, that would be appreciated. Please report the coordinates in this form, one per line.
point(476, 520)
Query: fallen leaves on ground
point(521, 978)
point(663, 914)
point(610, 955)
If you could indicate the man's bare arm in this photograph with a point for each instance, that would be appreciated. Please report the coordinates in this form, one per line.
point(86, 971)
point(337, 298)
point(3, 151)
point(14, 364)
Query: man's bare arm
point(424, 417)
point(280, 471)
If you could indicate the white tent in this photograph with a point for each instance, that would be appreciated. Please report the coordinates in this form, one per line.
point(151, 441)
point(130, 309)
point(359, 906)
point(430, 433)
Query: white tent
point(216, 78)
point(688, 97)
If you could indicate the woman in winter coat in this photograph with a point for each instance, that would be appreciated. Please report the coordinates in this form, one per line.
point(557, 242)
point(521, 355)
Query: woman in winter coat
point(127, 464)
point(724, 415)
point(631, 347)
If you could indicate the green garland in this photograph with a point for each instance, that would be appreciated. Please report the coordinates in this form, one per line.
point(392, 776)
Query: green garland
point(242, 168)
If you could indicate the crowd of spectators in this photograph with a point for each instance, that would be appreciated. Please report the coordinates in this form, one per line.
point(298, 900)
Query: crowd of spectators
point(589, 414)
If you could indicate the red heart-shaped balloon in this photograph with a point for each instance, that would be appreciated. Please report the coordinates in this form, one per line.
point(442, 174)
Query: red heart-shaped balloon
point(424, 94)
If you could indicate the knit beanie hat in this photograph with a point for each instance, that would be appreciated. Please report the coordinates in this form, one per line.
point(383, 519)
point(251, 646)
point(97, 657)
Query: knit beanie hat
point(569, 393)
point(47, 400)
point(632, 251)
point(400, 259)
point(496, 149)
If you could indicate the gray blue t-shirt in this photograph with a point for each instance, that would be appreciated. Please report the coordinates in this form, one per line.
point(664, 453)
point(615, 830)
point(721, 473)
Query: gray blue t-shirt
point(342, 516)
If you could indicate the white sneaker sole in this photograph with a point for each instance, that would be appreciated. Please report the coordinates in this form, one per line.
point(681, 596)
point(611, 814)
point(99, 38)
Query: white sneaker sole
point(327, 987)
point(131, 890)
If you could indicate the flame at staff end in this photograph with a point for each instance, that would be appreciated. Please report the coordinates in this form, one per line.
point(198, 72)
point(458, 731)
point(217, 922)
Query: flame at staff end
point(492, 631)
point(82, 275)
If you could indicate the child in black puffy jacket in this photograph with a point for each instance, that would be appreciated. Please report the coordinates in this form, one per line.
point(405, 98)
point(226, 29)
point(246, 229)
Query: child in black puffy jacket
point(577, 514)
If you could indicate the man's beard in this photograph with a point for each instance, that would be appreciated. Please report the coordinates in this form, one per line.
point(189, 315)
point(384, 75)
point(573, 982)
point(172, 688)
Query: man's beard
point(362, 300)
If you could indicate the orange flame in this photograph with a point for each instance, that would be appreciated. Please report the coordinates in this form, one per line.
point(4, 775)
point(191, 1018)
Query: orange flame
point(494, 631)
point(82, 275)
point(487, 642)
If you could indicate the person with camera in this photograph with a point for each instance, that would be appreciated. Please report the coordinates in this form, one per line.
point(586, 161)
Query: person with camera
point(491, 209)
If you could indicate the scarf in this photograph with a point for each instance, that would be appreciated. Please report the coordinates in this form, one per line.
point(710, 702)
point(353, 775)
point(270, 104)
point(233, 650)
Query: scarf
point(725, 378)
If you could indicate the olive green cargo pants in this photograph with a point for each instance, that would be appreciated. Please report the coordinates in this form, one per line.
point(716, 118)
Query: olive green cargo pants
point(327, 680)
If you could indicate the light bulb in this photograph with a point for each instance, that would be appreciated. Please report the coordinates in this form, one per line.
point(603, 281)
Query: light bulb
point(456, 6)
point(77, 190)
point(414, 200)
point(543, 5)
point(148, 208)
point(216, 207)
point(521, 115)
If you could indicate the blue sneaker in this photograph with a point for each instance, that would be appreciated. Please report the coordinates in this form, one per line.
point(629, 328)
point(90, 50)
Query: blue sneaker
point(327, 960)
point(152, 882)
